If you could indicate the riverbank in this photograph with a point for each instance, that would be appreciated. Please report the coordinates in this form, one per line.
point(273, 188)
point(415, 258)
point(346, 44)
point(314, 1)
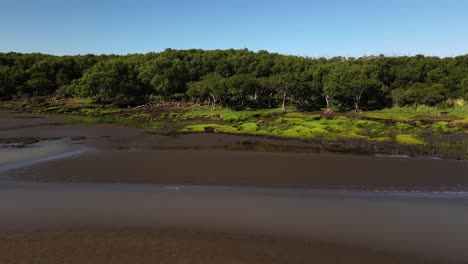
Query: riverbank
point(400, 131)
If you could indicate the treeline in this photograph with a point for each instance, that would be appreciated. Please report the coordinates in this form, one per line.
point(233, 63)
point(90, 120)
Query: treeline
point(237, 78)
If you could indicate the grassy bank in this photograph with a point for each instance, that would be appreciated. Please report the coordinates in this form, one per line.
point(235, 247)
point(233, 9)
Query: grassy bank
point(425, 130)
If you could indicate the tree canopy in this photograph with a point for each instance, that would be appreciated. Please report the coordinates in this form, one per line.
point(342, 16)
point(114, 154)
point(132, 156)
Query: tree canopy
point(238, 78)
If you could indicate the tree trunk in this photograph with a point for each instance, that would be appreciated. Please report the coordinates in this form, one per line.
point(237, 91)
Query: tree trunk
point(356, 107)
point(283, 105)
point(269, 100)
point(357, 101)
point(327, 99)
point(214, 101)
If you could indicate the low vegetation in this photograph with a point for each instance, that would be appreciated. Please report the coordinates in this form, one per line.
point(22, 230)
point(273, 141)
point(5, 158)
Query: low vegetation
point(422, 128)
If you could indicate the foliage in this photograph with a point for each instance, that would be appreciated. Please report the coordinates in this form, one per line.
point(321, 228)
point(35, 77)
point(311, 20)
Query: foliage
point(239, 79)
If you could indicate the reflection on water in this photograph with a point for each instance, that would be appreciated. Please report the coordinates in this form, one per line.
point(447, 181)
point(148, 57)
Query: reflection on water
point(250, 146)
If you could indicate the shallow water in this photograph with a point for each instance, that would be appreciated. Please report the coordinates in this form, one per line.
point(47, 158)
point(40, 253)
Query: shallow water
point(46, 150)
point(423, 224)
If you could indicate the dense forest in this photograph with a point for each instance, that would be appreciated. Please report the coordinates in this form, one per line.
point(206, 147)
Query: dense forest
point(237, 79)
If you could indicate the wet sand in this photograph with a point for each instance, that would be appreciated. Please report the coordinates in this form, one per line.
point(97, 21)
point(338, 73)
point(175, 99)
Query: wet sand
point(156, 212)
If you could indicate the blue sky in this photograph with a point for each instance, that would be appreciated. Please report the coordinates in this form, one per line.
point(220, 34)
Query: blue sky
point(299, 27)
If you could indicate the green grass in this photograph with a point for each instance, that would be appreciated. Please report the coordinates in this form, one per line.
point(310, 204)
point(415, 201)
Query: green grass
point(7, 107)
point(399, 116)
point(409, 140)
point(249, 127)
point(226, 115)
point(80, 107)
point(440, 128)
point(418, 109)
point(462, 114)
point(138, 120)
point(97, 111)
point(459, 110)
point(306, 126)
point(457, 114)
point(300, 125)
point(382, 139)
point(408, 124)
point(298, 132)
point(77, 100)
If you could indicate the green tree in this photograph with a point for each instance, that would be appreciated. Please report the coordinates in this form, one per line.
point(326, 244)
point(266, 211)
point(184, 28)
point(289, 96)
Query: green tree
point(240, 88)
point(213, 85)
point(332, 84)
point(283, 84)
point(38, 86)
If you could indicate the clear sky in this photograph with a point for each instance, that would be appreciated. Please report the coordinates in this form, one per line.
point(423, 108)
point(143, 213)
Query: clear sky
point(300, 27)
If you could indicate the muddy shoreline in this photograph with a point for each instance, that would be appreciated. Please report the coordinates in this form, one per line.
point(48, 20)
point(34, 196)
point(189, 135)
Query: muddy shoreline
point(23, 121)
point(349, 146)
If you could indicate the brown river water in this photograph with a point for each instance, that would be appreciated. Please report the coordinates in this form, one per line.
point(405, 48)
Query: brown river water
point(119, 195)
